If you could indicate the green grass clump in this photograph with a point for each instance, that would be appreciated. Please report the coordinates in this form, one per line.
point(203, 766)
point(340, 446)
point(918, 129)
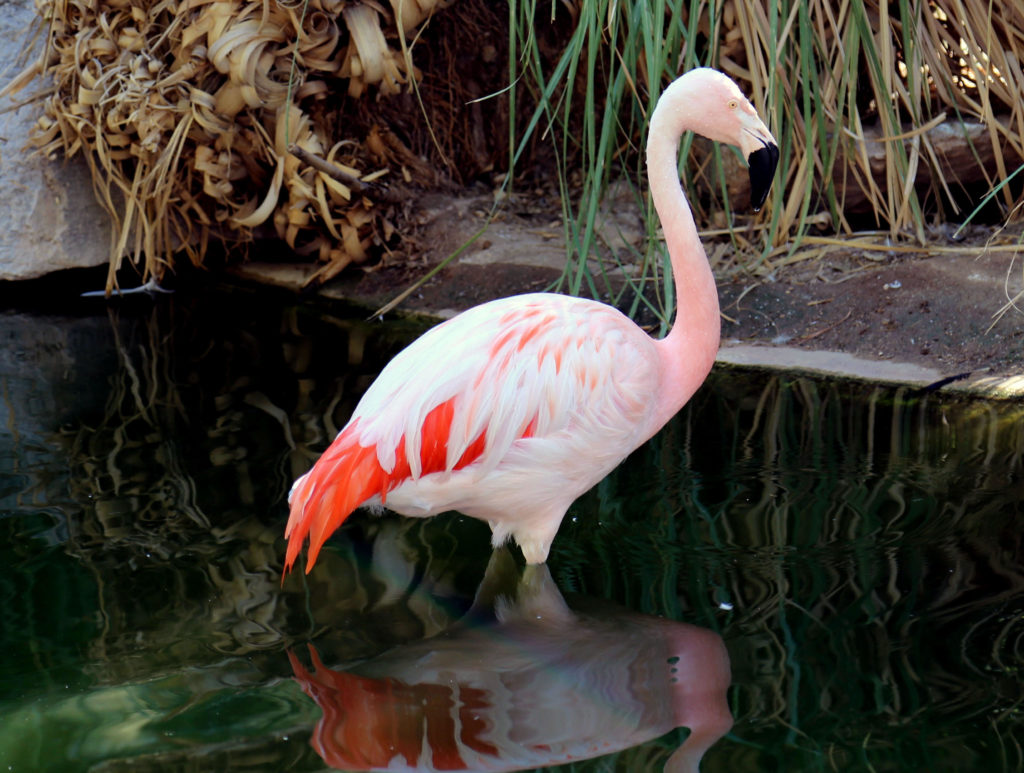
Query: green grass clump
point(854, 94)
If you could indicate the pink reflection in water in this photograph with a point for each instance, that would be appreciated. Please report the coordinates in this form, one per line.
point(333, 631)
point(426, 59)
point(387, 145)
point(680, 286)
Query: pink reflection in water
point(541, 684)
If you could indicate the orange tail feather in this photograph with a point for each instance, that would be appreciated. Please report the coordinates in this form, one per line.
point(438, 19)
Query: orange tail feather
point(348, 474)
point(342, 479)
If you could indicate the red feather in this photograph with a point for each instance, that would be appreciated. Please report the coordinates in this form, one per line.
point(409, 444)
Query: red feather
point(348, 474)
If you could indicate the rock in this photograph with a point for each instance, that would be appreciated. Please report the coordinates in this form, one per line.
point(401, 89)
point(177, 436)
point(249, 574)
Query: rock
point(54, 371)
point(53, 221)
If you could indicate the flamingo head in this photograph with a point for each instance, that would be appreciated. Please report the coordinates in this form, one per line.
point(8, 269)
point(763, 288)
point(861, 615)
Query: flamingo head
point(715, 107)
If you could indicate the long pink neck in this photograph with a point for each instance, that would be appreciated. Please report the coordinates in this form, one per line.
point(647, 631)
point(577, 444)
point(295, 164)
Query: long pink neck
point(688, 351)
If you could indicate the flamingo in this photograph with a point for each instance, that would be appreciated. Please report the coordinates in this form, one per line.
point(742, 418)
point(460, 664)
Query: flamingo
point(511, 410)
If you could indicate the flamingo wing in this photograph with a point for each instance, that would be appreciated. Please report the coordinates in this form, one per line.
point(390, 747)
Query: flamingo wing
point(574, 373)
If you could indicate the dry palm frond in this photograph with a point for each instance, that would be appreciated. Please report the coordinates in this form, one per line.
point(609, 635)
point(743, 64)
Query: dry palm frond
point(185, 111)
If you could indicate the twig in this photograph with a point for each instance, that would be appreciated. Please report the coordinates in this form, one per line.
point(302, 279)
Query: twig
point(803, 339)
point(37, 97)
point(152, 287)
point(927, 248)
point(353, 182)
point(936, 385)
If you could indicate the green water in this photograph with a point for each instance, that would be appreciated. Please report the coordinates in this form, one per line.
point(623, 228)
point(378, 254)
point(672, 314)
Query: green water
point(855, 550)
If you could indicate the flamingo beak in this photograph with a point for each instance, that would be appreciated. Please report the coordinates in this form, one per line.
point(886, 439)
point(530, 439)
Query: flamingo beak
point(762, 158)
point(762, 165)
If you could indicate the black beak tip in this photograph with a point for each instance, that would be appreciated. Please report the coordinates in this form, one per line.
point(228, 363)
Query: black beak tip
point(762, 164)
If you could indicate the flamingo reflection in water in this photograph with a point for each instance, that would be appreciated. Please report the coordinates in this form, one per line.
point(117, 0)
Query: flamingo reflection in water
point(524, 681)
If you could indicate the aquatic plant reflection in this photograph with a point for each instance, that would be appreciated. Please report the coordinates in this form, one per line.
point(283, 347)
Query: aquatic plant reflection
point(858, 547)
point(522, 681)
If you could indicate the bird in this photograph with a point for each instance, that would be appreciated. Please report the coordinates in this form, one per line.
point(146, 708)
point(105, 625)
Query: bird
point(511, 410)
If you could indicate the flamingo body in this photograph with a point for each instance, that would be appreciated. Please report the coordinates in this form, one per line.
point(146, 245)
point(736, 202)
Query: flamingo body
point(513, 409)
point(507, 413)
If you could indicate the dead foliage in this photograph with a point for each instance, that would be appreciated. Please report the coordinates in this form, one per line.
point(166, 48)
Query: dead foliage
point(216, 121)
point(209, 121)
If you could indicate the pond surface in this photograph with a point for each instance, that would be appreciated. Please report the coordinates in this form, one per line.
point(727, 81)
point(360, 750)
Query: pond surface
point(794, 575)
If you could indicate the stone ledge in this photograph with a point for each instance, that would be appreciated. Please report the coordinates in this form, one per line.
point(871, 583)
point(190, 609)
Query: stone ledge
point(815, 362)
point(843, 365)
point(53, 221)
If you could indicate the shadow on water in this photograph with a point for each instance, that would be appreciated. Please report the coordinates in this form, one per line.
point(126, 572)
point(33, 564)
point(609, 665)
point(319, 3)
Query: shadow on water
point(857, 550)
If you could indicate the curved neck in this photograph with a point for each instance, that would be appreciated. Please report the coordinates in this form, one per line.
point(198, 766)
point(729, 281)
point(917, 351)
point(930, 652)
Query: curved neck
point(689, 350)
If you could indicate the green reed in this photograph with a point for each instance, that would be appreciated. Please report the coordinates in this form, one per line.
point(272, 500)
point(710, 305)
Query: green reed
point(851, 93)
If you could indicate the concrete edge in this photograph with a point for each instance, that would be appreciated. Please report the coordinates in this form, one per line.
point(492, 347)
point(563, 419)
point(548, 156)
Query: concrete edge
point(826, 363)
point(790, 359)
point(849, 366)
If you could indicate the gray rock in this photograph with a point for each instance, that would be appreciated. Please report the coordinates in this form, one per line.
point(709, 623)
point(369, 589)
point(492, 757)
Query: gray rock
point(52, 219)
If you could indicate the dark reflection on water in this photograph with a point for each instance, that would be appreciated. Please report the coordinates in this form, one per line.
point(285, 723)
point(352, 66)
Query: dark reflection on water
point(858, 550)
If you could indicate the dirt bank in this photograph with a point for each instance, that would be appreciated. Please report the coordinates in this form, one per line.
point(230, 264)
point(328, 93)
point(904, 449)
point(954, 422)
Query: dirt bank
point(936, 313)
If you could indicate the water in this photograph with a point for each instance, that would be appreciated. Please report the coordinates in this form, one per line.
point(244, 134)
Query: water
point(855, 550)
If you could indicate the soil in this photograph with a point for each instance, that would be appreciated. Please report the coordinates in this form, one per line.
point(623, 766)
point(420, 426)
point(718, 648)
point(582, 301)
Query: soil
point(944, 310)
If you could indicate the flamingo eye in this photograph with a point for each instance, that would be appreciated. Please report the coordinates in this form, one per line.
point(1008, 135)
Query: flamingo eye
point(733, 104)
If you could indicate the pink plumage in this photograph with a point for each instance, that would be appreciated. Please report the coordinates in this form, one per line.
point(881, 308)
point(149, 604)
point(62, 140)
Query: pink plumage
point(511, 410)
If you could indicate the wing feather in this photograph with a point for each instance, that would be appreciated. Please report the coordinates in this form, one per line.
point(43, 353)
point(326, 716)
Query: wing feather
point(461, 396)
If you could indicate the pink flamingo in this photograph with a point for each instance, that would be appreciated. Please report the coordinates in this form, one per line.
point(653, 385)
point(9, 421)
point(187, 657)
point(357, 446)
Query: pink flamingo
point(511, 410)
